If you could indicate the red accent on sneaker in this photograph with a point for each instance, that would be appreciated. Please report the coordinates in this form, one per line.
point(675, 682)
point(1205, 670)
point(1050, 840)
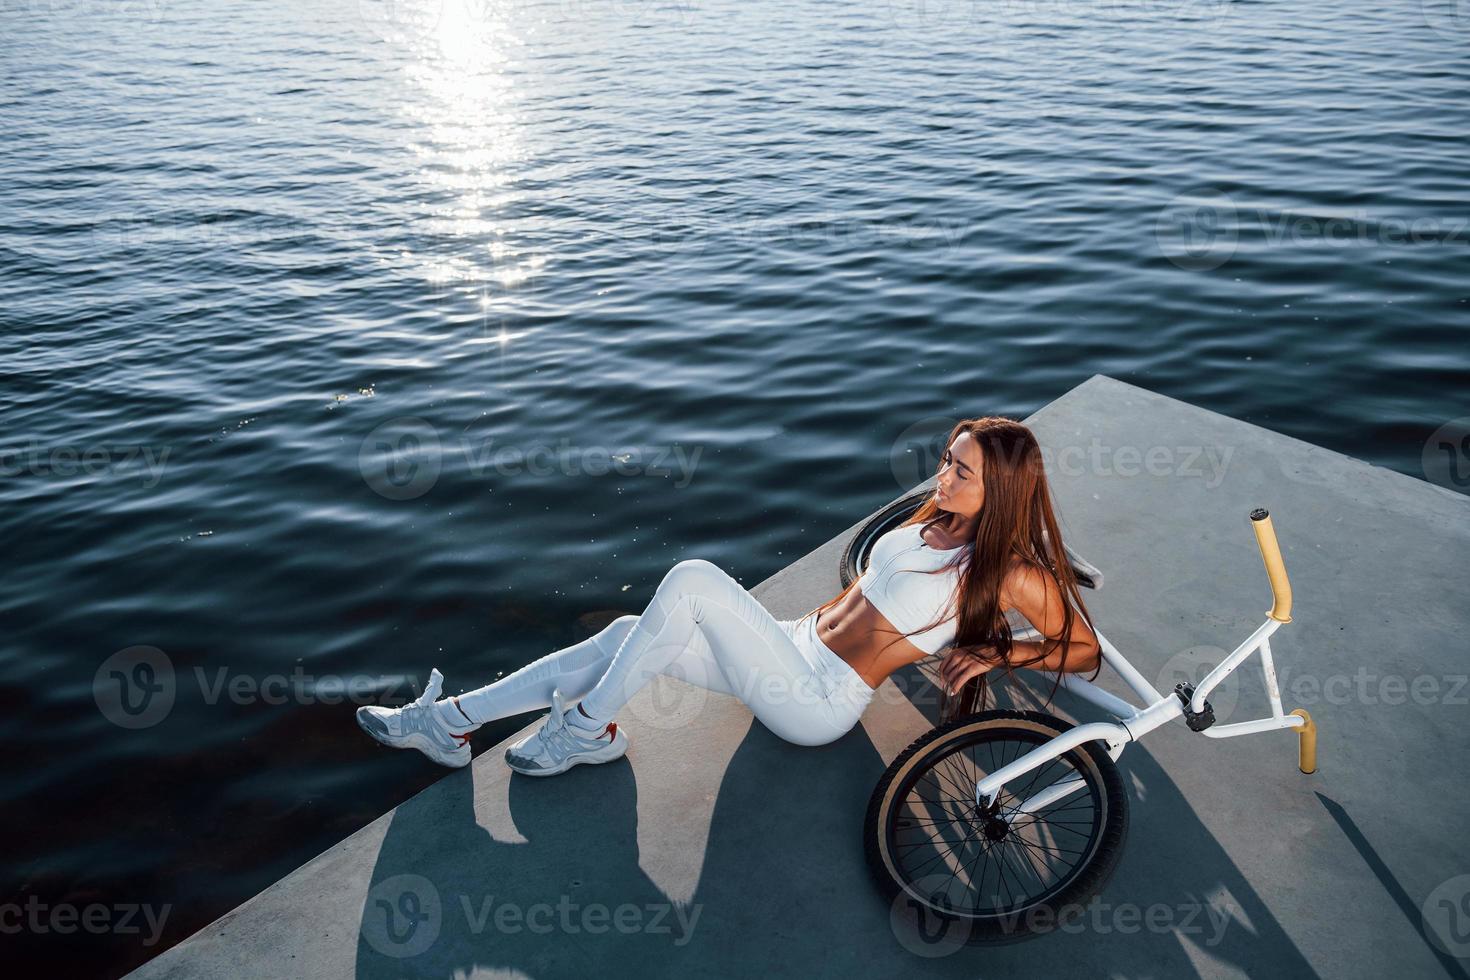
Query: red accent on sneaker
point(463, 739)
point(611, 731)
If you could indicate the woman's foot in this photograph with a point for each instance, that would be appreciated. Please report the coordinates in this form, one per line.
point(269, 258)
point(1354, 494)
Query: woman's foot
point(557, 746)
point(421, 726)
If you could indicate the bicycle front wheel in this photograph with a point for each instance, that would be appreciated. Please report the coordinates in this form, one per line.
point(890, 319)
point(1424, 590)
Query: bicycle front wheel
point(1011, 870)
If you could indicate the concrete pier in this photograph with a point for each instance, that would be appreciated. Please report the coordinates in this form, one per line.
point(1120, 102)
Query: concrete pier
point(716, 849)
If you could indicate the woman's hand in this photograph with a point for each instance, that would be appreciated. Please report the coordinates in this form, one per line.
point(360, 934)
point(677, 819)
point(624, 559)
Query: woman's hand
point(962, 665)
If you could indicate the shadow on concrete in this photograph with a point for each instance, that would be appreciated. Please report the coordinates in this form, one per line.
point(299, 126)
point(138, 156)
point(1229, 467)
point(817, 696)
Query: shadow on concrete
point(1390, 882)
point(784, 886)
point(447, 897)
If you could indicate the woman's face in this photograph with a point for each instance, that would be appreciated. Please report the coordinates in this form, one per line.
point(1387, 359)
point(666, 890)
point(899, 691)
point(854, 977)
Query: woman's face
point(959, 487)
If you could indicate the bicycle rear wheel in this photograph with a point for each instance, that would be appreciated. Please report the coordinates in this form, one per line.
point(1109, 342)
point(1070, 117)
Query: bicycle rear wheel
point(995, 874)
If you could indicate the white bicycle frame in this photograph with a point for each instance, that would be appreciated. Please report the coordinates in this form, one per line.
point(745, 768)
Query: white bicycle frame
point(1134, 722)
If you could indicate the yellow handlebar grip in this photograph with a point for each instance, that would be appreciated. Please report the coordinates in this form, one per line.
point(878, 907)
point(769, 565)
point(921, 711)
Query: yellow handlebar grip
point(1275, 567)
point(1307, 747)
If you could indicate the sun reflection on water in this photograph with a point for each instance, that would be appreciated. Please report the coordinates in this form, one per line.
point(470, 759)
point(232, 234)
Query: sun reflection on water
point(468, 134)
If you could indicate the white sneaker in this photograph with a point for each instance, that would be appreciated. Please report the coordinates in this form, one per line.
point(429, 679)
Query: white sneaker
point(557, 746)
point(417, 726)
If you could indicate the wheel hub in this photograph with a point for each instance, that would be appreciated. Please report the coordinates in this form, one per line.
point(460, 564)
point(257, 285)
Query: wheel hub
point(991, 825)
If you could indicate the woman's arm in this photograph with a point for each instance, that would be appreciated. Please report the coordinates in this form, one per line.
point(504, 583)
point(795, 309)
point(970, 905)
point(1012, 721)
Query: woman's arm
point(1035, 595)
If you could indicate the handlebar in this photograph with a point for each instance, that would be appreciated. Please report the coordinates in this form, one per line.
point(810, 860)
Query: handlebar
point(1275, 567)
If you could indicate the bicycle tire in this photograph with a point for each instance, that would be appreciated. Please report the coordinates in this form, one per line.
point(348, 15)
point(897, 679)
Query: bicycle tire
point(1064, 902)
point(885, 520)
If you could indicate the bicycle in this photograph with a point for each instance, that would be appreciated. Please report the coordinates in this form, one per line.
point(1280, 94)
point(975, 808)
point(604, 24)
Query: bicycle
point(1040, 802)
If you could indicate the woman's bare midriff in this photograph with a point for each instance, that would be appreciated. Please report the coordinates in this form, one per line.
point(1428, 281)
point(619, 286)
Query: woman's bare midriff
point(863, 637)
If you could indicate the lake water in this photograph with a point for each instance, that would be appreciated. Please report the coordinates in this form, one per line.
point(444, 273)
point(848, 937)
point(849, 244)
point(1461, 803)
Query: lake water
point(345, 339)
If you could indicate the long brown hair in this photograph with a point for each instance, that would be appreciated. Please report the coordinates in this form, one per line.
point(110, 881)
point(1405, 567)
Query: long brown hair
point(1017, 521)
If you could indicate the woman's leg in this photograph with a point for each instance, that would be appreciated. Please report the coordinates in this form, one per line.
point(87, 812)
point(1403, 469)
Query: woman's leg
point(702, 626)
point(575, 670)
point(440, 727)
point(699, 608)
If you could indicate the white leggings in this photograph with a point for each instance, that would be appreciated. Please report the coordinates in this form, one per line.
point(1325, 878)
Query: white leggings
point(702, 627)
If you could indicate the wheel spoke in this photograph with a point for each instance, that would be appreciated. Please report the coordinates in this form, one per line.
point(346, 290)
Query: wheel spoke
point(941, 854)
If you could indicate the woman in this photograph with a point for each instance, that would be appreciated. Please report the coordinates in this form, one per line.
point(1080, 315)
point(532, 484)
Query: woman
point(988, 538)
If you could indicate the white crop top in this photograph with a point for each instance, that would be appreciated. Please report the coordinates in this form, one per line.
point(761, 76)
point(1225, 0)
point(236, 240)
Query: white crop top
point(897, 584)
